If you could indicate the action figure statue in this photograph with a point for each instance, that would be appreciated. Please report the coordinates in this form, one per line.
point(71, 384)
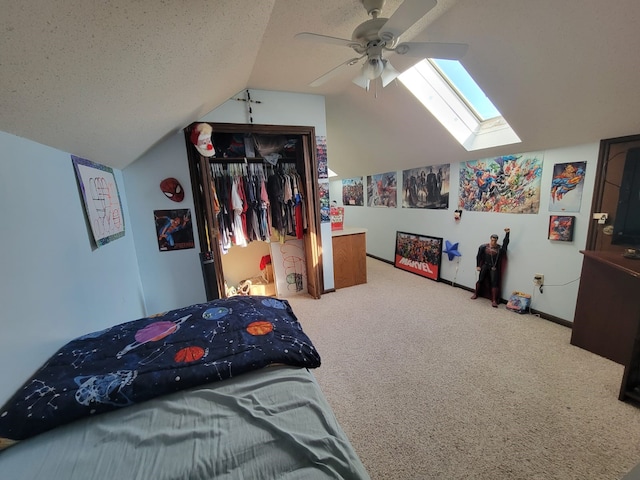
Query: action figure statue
point(488, 262)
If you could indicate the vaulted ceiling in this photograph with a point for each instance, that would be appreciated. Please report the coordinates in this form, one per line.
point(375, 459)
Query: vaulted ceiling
point(109, 80)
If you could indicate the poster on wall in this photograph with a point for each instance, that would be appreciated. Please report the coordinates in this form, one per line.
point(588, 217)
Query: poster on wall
point(507, 184)
point(566, 187)
point(101, 200)
point(419, 254)
point(321, 155)
point(323, 193)
point(353, 192)
point(382, 190)
point(561, 228)
point(426, 187)
point(174, 229)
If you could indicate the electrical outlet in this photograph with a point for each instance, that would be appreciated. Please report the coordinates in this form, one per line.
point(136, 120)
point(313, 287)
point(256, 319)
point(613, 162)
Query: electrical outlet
point(538, 279)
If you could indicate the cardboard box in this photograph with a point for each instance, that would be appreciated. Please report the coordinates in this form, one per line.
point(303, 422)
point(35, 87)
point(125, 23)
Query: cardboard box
point(267, 273)
point(264, 289)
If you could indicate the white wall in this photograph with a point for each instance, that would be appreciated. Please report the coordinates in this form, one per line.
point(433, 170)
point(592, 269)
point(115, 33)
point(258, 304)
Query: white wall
point(529, 251)
point(54, 287)
point(174, 279)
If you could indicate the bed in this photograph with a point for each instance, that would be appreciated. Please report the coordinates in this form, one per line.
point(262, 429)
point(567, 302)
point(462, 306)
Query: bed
point(221, 390)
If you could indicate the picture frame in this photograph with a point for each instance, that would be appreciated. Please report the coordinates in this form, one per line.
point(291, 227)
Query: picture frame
point(101, 200)
point(419, 254)
point(174, 229)
point(561, 228)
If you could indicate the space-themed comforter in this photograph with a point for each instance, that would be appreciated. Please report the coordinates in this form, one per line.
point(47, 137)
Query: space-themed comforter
point(142, 359)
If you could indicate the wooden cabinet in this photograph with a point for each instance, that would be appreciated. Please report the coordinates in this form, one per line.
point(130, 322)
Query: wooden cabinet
point(607, 309)
point(349, 257)
point(630, 388)
point(607, 318)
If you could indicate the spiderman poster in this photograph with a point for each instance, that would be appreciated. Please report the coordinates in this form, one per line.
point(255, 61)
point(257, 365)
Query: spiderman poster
point(174, 229)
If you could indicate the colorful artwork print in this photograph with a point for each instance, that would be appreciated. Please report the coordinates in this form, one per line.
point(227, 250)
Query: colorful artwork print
point(174, 229)
point(353, 192)
point(382, 190)
point(566, 187)
point(419, 254)
point(321, 155)
point(561, 228)
point(101, 200)
point(426, 187)
point(507, 184)
point(323, 193)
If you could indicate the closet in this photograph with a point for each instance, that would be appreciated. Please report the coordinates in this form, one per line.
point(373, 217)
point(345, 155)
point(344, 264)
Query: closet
point(250, 163)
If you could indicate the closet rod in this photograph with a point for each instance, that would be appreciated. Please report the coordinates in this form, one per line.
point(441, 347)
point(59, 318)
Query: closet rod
point(247, 160)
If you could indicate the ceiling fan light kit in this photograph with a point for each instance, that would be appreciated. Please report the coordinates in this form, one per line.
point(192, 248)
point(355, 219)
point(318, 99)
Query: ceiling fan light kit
point(372, 37)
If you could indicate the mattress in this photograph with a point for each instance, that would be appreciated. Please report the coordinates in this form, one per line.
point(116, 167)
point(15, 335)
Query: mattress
point(272, 423)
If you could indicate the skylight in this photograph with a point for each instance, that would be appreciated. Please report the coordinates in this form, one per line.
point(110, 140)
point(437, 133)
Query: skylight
point(446, 89)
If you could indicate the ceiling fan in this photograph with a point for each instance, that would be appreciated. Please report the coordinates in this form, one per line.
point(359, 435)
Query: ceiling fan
point(372, 38)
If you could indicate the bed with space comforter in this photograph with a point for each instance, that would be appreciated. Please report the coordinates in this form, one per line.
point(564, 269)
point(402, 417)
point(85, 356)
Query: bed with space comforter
point(215, 390)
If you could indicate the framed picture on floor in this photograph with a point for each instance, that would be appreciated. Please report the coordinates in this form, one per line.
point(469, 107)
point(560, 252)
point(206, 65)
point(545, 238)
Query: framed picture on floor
point(561, 228)
point(419, 254)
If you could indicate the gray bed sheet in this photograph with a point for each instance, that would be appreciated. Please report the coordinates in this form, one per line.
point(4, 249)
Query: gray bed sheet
point(274, 423)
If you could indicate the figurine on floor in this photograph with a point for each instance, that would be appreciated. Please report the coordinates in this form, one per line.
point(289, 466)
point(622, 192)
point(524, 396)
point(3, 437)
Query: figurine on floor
point(489, 262)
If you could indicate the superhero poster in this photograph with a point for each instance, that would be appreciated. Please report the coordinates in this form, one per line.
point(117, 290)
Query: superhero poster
point(419, 254)
point(353, 192)
point(561, 228)
point(506, 184)
point(382, 190)
point(174, 229)
point(426, 187)
point(566, 187)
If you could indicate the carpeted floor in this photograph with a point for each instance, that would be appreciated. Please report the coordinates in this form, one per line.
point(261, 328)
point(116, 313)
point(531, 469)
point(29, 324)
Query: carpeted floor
point(429, 384)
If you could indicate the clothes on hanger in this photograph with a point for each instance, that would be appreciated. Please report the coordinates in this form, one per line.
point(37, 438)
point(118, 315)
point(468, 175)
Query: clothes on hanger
point(252, 202)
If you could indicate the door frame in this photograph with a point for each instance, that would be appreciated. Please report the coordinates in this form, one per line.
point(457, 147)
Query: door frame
point(206, 221)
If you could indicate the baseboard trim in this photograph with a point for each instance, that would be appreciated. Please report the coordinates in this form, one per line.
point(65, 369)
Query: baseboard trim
point(381, 259)
point(546, 316)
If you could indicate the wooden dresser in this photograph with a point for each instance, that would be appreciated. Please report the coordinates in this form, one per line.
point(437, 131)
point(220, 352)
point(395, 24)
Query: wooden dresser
point(607, 310)
point(349, 257)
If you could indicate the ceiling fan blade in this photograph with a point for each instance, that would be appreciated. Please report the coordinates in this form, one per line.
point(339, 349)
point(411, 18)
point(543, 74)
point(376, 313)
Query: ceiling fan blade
point(408, 13)
point(334, 71)
point(316, 38)
point(445, 51)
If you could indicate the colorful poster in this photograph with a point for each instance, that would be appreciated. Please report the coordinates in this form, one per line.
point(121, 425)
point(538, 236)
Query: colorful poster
point(382, 190)
point(426, 187)
point(174, 229)
point(323, 192)
point(507, 184)
point(353, 192)
point(321, 155)
point(566, 187)
point(561, 228)
point(419, 254)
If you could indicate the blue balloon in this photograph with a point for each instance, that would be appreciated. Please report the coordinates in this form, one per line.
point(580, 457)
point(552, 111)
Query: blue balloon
point(451, 250)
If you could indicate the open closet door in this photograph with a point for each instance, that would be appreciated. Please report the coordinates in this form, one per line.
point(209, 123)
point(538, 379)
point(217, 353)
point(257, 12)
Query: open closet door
point(299, 150)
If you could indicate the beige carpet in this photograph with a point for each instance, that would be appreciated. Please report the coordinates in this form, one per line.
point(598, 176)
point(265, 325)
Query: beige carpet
point(429, 384)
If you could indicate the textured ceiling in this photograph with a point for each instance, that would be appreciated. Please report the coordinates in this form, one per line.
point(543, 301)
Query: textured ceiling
point(109, 80)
